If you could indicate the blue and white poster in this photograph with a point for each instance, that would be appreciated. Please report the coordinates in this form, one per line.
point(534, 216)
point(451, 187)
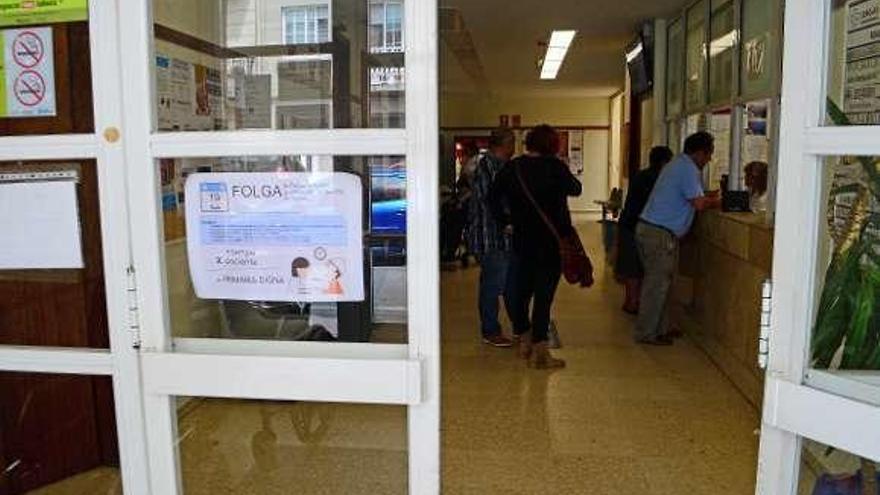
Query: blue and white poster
point(287, 236)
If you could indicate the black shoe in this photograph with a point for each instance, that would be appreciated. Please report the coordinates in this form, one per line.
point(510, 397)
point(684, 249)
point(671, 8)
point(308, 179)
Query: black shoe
point(661, 340)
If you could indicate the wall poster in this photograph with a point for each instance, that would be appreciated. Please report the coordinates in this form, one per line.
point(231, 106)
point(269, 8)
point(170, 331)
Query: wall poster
point(27, 73)
point(861, 101)
point(286, 237)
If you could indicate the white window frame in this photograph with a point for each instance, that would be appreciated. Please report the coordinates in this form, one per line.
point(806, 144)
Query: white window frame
point(285, 10)
point(802, 403)
point(385, 47)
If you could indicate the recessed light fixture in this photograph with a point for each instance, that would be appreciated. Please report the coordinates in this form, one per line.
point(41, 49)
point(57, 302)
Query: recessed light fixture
point(556, 51)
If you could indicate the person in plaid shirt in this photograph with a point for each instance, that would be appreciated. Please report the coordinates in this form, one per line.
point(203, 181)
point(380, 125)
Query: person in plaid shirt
point(489, 241)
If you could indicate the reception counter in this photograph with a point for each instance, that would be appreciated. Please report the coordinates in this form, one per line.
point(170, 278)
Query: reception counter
point(717, 298)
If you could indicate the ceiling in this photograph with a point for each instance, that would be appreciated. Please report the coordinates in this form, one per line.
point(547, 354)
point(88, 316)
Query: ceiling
point(492, 46)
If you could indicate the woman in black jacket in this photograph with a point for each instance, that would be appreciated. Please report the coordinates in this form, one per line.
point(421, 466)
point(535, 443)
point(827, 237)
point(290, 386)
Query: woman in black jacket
point(537, 180)
point(628, 267)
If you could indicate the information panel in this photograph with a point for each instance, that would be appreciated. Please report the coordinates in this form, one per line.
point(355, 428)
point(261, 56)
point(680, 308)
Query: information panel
point(288, 236)
point(23, 12)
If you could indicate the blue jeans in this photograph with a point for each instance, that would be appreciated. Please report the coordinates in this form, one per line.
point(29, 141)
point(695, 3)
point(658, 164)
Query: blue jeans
point(494, 282)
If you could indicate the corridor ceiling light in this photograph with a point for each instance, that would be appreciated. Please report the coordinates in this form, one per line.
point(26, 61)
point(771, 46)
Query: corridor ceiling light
point(723, 43)
point(634, 53)
point(556, 51)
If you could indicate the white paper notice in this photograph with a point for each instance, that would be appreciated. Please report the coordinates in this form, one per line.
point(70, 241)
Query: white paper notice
point(256, 104)
point(287, 236)
point(29, 60)
point(40, 225)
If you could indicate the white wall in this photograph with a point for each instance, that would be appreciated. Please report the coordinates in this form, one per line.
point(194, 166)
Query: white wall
point(595, 178)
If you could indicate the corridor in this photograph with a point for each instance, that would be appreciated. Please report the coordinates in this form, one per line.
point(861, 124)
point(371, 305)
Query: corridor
point(621, 419)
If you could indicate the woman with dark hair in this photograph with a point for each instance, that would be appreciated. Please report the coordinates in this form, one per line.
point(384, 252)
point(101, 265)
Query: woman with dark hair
point(530, 192)
point(628, 267)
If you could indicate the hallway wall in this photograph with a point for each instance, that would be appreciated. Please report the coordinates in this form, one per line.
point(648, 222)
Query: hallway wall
point(474, 115)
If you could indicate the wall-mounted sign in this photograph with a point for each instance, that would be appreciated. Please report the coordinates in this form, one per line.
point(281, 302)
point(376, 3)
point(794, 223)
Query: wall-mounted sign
point(24, 12)
point(504, 120)
point(862, 87)
point(288, 236)
point(27, 73)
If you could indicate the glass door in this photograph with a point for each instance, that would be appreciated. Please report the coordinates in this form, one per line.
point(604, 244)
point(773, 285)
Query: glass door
point(821, 425)
point(282, 178)
point(70, 391)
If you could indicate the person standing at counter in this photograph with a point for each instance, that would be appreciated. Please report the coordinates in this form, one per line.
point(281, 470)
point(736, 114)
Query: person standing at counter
point(488, 241)
point(628, 267)
point(668, 216)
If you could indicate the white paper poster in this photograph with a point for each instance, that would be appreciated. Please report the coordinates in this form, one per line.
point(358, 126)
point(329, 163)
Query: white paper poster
point(28, 72)
point(288, 236)
point(862, 90)
point(255, 102)
point(40, 225)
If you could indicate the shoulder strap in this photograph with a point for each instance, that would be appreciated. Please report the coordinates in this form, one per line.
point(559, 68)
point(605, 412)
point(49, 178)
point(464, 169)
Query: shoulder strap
point(538, 208)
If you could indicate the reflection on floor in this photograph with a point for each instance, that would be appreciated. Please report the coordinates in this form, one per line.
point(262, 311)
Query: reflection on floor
point(621, 419)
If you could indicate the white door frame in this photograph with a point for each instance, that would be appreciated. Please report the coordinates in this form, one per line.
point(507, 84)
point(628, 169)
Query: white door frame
point(403, 375)
point(794, 405)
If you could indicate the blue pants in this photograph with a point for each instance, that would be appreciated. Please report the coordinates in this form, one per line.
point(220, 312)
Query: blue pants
point(494, 283)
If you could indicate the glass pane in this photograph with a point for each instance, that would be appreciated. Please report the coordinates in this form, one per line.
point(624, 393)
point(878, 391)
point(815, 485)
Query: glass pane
point(51, 266)
point(675, 71)
point(720, 123)
point(721, 52)
point(854, 63)
point(273, 448)
point(695, 83)
point(46, 81)
point(846, 335)
point(59, 435)
point(761, 47)
point(287, 64)
point(280, 248)
point(830, 471)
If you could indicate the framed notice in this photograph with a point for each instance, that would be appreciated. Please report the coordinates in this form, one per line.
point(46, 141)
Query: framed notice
point(290, 236)
point(26, 12)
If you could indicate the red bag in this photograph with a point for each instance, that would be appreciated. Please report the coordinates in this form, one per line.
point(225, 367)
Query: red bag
point(576, 265)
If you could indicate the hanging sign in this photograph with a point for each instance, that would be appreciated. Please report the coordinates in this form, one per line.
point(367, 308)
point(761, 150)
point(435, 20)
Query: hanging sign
point(27, 73)
point(23, 12)
point(289, 236)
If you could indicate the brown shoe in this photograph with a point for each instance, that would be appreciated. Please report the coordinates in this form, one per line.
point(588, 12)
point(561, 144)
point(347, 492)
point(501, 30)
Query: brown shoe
point(542, 359)
point(525, 345)
point(498, 341)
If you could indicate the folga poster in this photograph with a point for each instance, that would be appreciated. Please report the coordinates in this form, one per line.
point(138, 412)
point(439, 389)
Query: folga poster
point(289, 236)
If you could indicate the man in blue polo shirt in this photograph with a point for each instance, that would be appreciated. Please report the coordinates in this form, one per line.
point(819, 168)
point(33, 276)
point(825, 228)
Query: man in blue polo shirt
point(667, 217)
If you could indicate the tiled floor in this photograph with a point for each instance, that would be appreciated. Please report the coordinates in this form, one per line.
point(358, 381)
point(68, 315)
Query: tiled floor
point(622, 419)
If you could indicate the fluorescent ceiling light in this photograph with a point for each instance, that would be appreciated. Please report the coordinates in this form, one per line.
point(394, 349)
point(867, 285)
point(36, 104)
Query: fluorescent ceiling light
point(634, 53)
point(556, 51)
point(723, 43)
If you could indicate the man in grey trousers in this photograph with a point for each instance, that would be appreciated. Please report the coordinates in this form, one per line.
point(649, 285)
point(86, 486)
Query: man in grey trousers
point(667, 218)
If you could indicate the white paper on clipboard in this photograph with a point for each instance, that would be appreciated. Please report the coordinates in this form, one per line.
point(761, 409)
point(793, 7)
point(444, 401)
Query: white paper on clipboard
point(39, 226)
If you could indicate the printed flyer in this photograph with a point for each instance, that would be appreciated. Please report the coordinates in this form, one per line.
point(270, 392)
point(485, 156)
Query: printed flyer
point(287, 236)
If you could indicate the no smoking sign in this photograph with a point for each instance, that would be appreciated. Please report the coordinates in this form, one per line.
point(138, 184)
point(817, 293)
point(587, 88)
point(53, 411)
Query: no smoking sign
point(28, 50)
point(30, 88)
point(29, 75)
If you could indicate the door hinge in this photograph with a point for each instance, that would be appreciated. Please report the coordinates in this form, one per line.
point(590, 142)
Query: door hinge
point(764, 334)
point(134, 322)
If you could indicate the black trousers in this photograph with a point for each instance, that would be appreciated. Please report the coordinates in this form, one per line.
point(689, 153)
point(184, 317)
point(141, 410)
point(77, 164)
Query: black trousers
point(534, 285)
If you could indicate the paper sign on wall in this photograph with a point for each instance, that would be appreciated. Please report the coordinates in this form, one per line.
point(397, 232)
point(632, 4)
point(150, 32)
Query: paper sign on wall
point(23, 12)
point(288, 236)
point(40, 225)
point(27, 74)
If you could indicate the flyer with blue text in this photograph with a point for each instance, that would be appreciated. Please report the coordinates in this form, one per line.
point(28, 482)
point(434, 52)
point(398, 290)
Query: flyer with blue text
point(287, 236)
